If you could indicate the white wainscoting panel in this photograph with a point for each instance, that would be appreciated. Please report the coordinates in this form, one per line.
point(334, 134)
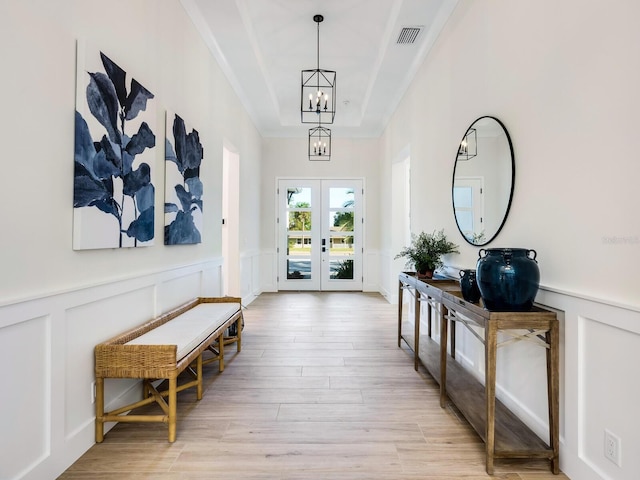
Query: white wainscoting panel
point(26, 394)
point(50, 341)
point(176, 290)
point(86, 326)
point(249, 276)
point(371, 271)
point(610, 388)
point(269, 271)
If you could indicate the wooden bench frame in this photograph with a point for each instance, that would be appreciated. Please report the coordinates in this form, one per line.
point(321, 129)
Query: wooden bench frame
point(114, 359)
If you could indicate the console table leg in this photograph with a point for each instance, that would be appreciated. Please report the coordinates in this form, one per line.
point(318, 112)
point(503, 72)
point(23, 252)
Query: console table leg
point(452, 336)
point(491, 335)
point(399, 313)
point(553, 388)
point(416, 341)
point(443, 356)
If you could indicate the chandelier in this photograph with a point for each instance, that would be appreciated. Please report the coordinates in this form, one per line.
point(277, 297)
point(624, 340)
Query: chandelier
point(468, 146)
point(318, 97)
point(319, 144)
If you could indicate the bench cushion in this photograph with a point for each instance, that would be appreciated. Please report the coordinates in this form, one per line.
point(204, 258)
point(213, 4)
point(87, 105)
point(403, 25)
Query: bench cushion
point(189, 329)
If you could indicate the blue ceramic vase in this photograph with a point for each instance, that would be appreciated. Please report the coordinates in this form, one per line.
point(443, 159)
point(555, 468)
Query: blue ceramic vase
point(469, 286)
point(508, 278)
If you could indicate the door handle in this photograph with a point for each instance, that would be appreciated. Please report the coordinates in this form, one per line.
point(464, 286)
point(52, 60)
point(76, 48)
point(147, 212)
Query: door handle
point(324, 249)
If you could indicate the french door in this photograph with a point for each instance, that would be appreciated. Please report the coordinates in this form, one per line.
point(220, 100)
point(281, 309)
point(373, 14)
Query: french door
point(320, 234)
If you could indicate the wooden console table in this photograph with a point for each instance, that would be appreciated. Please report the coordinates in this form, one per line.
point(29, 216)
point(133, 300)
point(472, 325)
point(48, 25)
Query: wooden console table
point(504, 434)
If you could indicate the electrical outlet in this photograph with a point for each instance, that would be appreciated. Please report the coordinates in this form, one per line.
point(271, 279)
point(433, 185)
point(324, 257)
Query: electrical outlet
point(612, 448)
point(93, 392)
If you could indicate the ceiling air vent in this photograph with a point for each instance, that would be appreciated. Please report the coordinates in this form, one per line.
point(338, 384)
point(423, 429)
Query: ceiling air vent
point(408, 35)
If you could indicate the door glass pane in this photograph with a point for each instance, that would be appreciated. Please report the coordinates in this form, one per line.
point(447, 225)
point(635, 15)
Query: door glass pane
point(341, 269)
point(465, 220)
point(298, 197)
point(298, 244)
point(341, 221)
point(341, 245)
point(463, 197)
point(299, 221)
point(298, 269)
point(341, 197)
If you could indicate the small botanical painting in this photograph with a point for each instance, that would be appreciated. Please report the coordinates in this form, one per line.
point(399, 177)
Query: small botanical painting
point(183, 187)
point(113, 196)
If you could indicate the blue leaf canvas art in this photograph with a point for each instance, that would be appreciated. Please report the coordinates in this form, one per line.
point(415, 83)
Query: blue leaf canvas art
point(113, 195)
point(183, 188)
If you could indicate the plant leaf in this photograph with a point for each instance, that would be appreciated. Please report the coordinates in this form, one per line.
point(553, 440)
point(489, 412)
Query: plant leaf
point(188, 150)
point(141, 140)
point(117, 76)
point(85, 150)
point(184, 197)
point(107, 162)
point(195, 186)
point(103, 103)
point(169, 153)
point(136, 101)
point(88, 191)
point(142, 227)
point(182, 230)
point(170, 208)
point(145, 197)
point(137, 179)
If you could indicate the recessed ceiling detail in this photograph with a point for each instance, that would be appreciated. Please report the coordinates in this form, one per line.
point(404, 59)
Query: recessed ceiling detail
point(262, 47)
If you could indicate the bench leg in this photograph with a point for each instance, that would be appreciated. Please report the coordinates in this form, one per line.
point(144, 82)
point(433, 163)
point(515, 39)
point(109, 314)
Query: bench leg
point(239, 330)
point(99, 409)
point(221, 352)
point(199, 375)
point(173, 400)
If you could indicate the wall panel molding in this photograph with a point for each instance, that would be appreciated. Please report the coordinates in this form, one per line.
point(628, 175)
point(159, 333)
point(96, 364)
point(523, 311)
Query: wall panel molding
point(54, 415)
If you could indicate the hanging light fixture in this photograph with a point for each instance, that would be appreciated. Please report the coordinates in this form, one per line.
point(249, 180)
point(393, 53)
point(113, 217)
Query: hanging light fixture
point(318, 98)
point(468, 146)
point(319, 144)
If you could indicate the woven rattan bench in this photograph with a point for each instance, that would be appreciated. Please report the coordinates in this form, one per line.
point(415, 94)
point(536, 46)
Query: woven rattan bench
point(162, 349)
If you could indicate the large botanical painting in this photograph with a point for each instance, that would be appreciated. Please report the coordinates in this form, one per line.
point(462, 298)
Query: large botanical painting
point(113, 196)
point(183, 188)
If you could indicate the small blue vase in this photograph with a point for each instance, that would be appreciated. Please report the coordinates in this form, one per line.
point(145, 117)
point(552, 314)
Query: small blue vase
point(508, 278)
point(469, 286)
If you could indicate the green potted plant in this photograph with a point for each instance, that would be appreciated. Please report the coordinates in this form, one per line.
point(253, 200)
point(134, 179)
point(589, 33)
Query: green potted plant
point(426, 251)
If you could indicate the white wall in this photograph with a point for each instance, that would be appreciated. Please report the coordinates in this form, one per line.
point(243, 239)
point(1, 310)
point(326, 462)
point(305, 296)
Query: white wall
point(56, 303)
point(563, 77)
point(350, 158)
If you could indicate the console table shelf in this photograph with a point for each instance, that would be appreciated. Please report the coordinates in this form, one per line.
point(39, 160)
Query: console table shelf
point(504, 434)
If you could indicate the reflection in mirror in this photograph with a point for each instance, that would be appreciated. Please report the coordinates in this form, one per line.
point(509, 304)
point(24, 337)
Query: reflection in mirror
point(483, 178)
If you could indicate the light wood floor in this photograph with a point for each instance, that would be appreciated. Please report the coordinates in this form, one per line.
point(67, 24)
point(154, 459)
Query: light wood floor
point(320, 391)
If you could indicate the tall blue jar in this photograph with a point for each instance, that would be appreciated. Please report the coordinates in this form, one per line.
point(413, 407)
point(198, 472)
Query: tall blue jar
point(508, 278)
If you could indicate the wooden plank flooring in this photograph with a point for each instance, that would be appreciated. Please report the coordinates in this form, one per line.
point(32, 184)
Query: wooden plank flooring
point(320, 391)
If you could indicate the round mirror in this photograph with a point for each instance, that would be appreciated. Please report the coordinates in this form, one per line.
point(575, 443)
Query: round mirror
point(483, 178)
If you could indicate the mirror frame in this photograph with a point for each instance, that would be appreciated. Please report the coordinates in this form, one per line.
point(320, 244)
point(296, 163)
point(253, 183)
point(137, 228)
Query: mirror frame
point(513, 180)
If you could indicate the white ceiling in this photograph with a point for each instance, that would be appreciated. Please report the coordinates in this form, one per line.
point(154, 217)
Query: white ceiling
point(263, 45)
